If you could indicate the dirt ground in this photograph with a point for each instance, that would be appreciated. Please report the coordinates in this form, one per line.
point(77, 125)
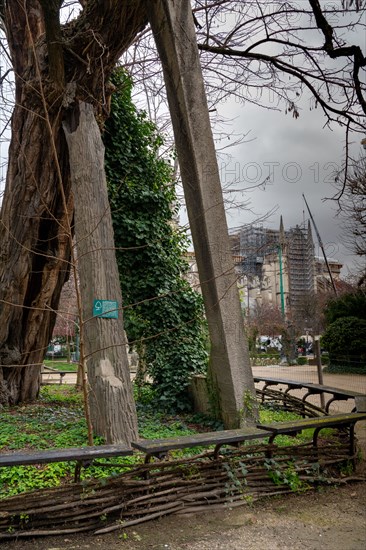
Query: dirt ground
point(303, 373)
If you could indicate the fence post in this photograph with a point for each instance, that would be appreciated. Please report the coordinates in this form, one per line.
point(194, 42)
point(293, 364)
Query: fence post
point(319, 368)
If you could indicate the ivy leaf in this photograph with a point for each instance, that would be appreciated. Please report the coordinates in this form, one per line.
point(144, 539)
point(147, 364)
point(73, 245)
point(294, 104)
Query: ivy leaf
point(163, 315)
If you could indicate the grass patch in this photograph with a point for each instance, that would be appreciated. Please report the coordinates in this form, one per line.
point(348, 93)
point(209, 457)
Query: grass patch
point(61, 394)
point(60, 365)
point(269, 414)
point(56, 420)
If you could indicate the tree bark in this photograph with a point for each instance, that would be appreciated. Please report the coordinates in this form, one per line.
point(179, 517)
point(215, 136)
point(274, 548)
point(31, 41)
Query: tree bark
point(34, 234)
point(230, 370)
point(111, 398)
point(34, 246)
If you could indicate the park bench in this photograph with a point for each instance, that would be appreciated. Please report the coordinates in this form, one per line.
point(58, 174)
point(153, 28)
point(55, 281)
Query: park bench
point(49, 371)
point(294, 427)
point(83, 456)
point(160, 447)
point(315, 389)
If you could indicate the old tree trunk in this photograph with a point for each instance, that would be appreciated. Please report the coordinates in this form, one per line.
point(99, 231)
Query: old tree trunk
point(55, 68)
point(34, 246)
point(230, 374)
point(59, 70)
point(97, 267)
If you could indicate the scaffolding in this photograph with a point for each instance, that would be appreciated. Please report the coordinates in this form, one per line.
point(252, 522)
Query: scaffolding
point(301, 265)
point(253, 244)
point(258, 246)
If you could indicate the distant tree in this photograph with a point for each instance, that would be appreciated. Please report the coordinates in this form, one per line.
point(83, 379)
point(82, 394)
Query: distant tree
point(352, 203)
point(345, 340)
point(349, 305)
point(67, 316)
point(67, 313)
point(289, 336)
point(266, 320)
point(309, 315)
point(345, 335)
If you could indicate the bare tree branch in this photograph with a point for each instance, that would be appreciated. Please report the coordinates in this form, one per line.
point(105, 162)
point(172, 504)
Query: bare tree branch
point(359, 60)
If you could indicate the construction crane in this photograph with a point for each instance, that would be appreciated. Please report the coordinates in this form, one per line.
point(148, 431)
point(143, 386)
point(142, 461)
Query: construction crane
point(321, 246)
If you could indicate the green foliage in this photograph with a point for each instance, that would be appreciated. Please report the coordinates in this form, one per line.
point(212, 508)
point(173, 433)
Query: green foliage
point(264, 360)
point(302, 360)
point(252, 333)
point(347, 334)
point(58, 394)
point(250, 407)
point(156, 423)
point(271, 413)
point(285, 476)
point(163, 315)
point(236, 480)
point(269, 355)
point(345, 337)
point(20, 479)
point(348, 305)
point(41, 426)
point(57, 420)
point(345, 340)
point(343, 367)
point(60, 365)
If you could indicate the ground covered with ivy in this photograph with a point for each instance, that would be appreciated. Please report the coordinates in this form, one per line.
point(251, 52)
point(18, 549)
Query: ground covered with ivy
point(56, 420)
point(326, 518)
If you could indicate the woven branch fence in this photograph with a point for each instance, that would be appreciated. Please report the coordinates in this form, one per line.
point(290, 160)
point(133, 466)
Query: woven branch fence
point(238, 477)
point(288, 402)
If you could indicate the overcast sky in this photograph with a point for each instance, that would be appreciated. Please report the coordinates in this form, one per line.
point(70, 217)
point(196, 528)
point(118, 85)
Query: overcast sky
point(295, 155)
point(299, 156)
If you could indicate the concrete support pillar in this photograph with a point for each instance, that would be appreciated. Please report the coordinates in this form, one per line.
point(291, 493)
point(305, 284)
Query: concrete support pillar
point(230, 370)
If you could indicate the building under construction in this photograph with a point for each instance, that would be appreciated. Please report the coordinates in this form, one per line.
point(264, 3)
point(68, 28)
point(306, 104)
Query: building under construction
point(278, 266)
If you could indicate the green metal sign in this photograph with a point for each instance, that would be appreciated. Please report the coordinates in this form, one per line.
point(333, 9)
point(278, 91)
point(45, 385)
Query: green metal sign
point(105, 308)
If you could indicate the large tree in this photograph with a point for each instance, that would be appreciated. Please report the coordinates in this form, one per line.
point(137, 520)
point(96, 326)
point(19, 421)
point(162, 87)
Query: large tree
point(57, 66)
point(63, 98)
point(58, 69)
